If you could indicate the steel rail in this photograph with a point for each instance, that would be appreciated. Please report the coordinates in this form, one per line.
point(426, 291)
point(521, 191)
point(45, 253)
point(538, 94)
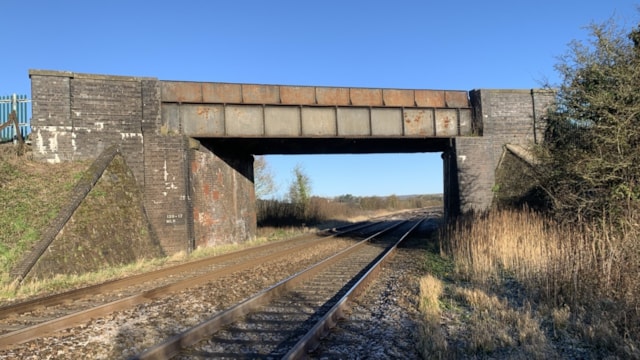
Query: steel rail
point(116, 284)
point(311, 340)
point(175, 344)
point(24, 306)
point(64, 322)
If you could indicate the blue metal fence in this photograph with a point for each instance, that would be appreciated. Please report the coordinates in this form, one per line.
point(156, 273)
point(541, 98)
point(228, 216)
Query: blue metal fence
point(21, 105)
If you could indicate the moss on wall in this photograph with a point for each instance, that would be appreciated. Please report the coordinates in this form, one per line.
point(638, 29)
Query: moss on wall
point(108, 228)
point(517, 184)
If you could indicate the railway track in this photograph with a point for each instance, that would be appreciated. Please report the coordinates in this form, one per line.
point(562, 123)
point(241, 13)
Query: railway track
point(288, 319)
point(36, 318)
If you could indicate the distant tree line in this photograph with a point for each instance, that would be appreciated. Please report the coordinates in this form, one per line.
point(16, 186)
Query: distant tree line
point(301, 207)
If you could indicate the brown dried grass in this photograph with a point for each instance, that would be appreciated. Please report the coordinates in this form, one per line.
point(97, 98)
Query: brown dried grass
point(582, 280)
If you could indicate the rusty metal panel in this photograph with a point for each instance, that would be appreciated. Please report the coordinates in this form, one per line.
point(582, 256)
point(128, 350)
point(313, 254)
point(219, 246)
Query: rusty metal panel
point(418, 122)
point(317, 121)
point(457, 99)
point(366, 97)
point(353, 121)
point(446, 122)
point(393, 97)
point(177, 91)
point(282, 121)
point(244, 120)
point(201, 120)
point(465, 121)
point(260, 94)
point(386, 122)
point(298, 95)
point(430, 98)
point(171, 117)
point(222, 93)
point(332, 96)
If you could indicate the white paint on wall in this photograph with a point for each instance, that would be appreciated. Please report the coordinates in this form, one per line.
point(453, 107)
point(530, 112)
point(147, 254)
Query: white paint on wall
point(125, 136)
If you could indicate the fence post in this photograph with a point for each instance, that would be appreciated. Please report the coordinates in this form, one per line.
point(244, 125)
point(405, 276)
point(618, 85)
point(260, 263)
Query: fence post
point(14, 117)
point(17, 104)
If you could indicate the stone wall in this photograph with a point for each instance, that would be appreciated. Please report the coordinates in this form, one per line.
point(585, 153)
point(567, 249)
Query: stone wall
point(77, 116)
point(505, 117)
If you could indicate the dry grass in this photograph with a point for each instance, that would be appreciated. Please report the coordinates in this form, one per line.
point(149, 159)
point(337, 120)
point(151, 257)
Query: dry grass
point(433, 343)
point(60, 283)
point(461, 322)
point(494, 325)
point(525, 287)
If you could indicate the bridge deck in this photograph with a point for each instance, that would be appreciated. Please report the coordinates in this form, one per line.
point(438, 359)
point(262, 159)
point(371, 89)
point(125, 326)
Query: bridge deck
point(218, 110)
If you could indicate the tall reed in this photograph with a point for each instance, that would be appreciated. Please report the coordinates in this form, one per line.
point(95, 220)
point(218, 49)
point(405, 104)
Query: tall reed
point(589, 266)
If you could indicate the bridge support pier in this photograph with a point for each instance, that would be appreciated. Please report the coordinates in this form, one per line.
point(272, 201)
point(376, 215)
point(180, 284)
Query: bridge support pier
point(196, 197)
point(222, 197)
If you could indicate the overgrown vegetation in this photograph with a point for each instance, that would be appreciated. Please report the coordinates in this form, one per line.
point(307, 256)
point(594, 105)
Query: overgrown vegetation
point(540, 289)
point(29, 202)
point(591, 155)
point(562, 281)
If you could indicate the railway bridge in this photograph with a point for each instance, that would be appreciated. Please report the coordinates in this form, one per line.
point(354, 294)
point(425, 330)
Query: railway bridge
point(190, 145)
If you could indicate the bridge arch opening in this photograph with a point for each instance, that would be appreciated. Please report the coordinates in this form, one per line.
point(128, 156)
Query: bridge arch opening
point(360, 175)
point(410, 163)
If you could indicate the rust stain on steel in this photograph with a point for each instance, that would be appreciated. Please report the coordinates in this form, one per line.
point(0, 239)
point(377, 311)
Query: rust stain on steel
point(260, 94)
point(393, 97)
point(418, 122)
point(332, 96)
point(298, 95)
point(456, 99)
point(205, 112)
point(221, 93)
point(177, 91)
point(430, 98)
point(366, 97)
point(446, 122)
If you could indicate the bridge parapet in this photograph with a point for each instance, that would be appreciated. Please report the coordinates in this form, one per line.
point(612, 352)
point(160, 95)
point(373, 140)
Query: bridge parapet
point(247, 110)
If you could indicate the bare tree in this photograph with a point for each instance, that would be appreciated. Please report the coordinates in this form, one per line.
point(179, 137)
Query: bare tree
point(263, 178)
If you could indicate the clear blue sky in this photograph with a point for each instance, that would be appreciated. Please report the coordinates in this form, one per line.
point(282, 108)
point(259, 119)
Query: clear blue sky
point(458, 45)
